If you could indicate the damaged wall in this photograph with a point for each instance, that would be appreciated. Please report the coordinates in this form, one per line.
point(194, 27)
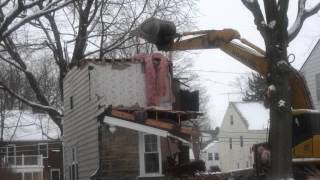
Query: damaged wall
point(119, 156)
point(118, 86)
point(132, 83)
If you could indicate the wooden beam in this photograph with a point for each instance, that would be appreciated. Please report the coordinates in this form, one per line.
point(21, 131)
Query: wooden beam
point(152, 122)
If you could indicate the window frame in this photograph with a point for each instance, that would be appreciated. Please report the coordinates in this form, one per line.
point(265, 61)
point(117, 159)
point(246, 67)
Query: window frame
point(14, 153)
point(55, 169)
point(47, 147)
point(142, 156)
point(71, 103)
point(73, 168)
point(216, 156)
point(210, 156)
point(231, 120)
point(241, 141)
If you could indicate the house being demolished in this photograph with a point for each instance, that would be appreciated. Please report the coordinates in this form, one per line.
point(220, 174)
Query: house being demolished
point(126, 119)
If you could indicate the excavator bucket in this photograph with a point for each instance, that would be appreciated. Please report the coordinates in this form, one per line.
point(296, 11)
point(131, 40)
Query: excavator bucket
point(156, 31)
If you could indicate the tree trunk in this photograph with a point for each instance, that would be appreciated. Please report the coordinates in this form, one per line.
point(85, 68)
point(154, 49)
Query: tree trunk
point(280, 136)
point(280, 126)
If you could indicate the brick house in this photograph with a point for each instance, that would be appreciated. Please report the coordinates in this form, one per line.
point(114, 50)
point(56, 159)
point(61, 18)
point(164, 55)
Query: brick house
point(111, 131)
point(31, 147)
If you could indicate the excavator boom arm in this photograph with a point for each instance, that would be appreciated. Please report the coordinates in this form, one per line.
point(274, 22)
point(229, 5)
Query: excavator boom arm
point(252, 58)
point(248, 54)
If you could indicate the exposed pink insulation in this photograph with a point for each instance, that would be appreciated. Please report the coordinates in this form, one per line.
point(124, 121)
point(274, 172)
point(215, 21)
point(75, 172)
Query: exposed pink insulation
point(157, 77)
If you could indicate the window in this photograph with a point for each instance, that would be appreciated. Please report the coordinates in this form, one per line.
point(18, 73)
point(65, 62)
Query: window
point(19, 176)
point(231, 119)
point(54, 174)
point(71, 102)
point(230, 143)
point(241, 141)
point(150, 155)
point(210, 157)
point(37, 175)
point(43, 149)
point(32, 175)
point(73, 168)
point(216, 156)
point(28, 176)
point(11, 154)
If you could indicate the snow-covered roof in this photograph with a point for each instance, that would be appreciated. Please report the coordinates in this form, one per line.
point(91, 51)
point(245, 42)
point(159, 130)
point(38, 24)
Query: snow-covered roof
point(27, 126)
point(254, 113)
point(210, 145)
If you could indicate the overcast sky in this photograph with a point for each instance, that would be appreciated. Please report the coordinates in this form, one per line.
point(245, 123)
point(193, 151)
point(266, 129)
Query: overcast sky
point(214, 14)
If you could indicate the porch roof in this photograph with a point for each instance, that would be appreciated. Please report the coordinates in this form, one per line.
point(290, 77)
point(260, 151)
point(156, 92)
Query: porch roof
point(141, 128)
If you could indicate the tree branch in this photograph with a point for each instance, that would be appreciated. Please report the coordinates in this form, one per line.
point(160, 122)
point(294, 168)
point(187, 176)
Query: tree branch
point(4, 3)
point(259, 21)
point(42, 12)
point(81, 39)
point(6, 20)
point(302, 15)
point(12, 50)
point(30, 103)
point(11, 63)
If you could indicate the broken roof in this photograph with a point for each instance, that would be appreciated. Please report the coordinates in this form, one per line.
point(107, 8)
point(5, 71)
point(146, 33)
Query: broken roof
point(140, 127)
point(153, 118)
point(27, 126)
point(254, 113)
point(158, 112)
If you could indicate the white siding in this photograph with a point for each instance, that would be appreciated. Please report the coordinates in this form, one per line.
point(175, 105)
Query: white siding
point(238, 157)
point(80, 125)
point(310, 69)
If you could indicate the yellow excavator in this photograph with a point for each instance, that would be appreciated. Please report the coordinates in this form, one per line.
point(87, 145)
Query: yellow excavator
point(305, 122)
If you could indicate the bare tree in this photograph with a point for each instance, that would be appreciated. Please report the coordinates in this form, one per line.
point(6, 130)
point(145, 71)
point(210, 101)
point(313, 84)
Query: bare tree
point(65, 32)
point(274, 30)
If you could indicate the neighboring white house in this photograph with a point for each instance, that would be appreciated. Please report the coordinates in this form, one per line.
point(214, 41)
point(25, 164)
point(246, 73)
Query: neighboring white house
point(311, 72)
point(210, 155)
point(244, 124)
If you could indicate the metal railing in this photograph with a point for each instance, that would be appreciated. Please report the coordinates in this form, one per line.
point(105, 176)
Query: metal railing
point(24, 160)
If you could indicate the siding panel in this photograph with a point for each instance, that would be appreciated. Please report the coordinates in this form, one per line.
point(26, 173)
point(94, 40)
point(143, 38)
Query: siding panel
point(310, 69)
